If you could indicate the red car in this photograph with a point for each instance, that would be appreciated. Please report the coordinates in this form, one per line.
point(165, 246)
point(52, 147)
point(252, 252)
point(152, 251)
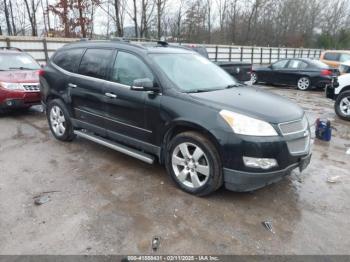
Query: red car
point(19, 80)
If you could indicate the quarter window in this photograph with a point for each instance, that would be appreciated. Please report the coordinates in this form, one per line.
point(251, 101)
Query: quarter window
point(128, 68)
point(96, 63)
point(68, 59)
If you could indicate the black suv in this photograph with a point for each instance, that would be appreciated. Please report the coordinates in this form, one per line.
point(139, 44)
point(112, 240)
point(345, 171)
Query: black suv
point(174, 106)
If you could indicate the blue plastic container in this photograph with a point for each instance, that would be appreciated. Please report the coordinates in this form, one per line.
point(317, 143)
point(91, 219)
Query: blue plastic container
point(323, 129)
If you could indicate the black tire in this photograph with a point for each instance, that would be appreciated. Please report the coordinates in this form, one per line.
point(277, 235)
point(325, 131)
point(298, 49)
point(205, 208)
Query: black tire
point(68, 134)
point(215, 178)
point(337, 104)
point(304, 83)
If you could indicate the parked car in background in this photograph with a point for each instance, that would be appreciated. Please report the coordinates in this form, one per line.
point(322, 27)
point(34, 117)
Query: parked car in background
point(334, 58)
point(344, 68)
point(300, 72)
point(175, 106)
point(341, 96)
point(239, 70)
point(19, 79)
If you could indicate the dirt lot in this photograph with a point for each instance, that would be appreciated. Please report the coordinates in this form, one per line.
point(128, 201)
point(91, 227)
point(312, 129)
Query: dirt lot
point(103, 202)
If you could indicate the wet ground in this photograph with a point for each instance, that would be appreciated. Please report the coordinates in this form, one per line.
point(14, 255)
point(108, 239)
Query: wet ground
point(102, 202)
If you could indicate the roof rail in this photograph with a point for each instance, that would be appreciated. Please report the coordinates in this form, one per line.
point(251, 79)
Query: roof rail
point(120, 39)
point(11, 48)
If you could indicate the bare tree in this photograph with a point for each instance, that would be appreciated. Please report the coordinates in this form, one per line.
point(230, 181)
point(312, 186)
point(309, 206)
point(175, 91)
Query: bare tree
point(32, 7)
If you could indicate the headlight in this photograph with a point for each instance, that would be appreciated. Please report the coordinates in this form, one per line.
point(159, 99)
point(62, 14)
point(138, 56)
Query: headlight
point(12, 86)
point(246, 125)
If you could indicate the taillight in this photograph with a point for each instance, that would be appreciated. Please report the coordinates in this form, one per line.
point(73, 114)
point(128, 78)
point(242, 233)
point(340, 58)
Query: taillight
point(326, 72)
point(41, 72)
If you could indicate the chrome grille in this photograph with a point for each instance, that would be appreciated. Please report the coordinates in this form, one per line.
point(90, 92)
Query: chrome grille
point(31, 87)
point(300, 145)
point(294, 127)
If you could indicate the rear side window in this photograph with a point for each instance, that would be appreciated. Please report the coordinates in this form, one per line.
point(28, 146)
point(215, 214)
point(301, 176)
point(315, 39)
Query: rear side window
point(297, 64)
point(96, 63)
point(128, 68)
point(279, 64)
point(68, 59)
point(330, 56)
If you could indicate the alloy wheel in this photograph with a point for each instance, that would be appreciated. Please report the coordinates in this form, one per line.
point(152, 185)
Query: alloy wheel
point(344, 106)
point(57, 120)
point(303, 83)
point(254, 78)
point(190, 165)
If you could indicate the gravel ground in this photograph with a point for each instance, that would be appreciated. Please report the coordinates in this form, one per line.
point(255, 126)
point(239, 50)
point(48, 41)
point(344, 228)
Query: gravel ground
point(102, 202)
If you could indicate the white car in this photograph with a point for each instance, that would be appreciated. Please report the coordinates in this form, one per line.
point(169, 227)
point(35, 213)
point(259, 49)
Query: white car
point(341, 95)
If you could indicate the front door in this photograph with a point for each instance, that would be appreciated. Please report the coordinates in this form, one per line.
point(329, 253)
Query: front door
point(126, 107)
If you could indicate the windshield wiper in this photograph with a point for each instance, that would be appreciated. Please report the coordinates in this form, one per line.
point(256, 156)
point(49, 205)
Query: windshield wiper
point(21, 68)
point(233, 85)
point(202, 90)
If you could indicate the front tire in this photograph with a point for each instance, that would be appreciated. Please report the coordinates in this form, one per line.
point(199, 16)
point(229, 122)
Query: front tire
point(342, 105)
point(304, 83)
point(59, 120)
point(194, 164)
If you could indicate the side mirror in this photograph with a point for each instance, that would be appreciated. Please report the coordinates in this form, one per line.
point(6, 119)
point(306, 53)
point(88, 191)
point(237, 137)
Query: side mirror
point(270, 66)
point(144, 84)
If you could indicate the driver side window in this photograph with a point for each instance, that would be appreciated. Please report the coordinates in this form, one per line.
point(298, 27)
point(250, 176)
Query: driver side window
point(279, 64)
point(128, 68)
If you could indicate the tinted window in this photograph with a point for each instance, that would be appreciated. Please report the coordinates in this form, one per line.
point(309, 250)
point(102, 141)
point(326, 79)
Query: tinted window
point(279, 64)
point(68, 59)
point(128, 68)
point(17, 61)
point(96, 63)
point(297, 64)
point(331, 56)
point(344, 57)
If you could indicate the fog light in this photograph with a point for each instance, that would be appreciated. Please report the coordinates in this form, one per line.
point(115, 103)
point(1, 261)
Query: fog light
point(9, 103)
point(263, 163)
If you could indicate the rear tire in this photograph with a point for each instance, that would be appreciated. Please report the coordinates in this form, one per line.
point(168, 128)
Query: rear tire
point(342, 105)
point(194, 164)
point(304, 83)
point(59, 120)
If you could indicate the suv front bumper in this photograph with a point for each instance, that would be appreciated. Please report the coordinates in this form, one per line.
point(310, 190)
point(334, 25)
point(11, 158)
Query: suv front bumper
point(241, 181)
point(14, 99)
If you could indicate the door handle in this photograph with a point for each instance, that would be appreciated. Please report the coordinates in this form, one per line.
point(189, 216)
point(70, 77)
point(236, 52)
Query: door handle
point(72, 85)
point(111, 95)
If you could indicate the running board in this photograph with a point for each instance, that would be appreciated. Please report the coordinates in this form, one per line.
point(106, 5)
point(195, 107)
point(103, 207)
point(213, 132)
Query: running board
point(115, 146)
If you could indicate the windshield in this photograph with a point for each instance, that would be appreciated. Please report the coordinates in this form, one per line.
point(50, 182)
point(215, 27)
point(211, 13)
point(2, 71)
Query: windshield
point(193, 73)
point(17, 61)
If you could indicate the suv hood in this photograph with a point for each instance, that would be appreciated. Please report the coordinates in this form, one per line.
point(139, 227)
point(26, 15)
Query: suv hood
point(19, 76)
point(252, 102)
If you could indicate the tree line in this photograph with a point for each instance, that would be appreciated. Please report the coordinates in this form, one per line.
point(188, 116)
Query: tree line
point(291, 23)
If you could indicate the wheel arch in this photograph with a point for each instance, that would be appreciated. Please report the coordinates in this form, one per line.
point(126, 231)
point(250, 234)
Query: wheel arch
point(184, 126)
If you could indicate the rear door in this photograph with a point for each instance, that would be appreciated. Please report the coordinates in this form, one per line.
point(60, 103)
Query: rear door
point(293, 71)
point(87, 88)
point(125, 108)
